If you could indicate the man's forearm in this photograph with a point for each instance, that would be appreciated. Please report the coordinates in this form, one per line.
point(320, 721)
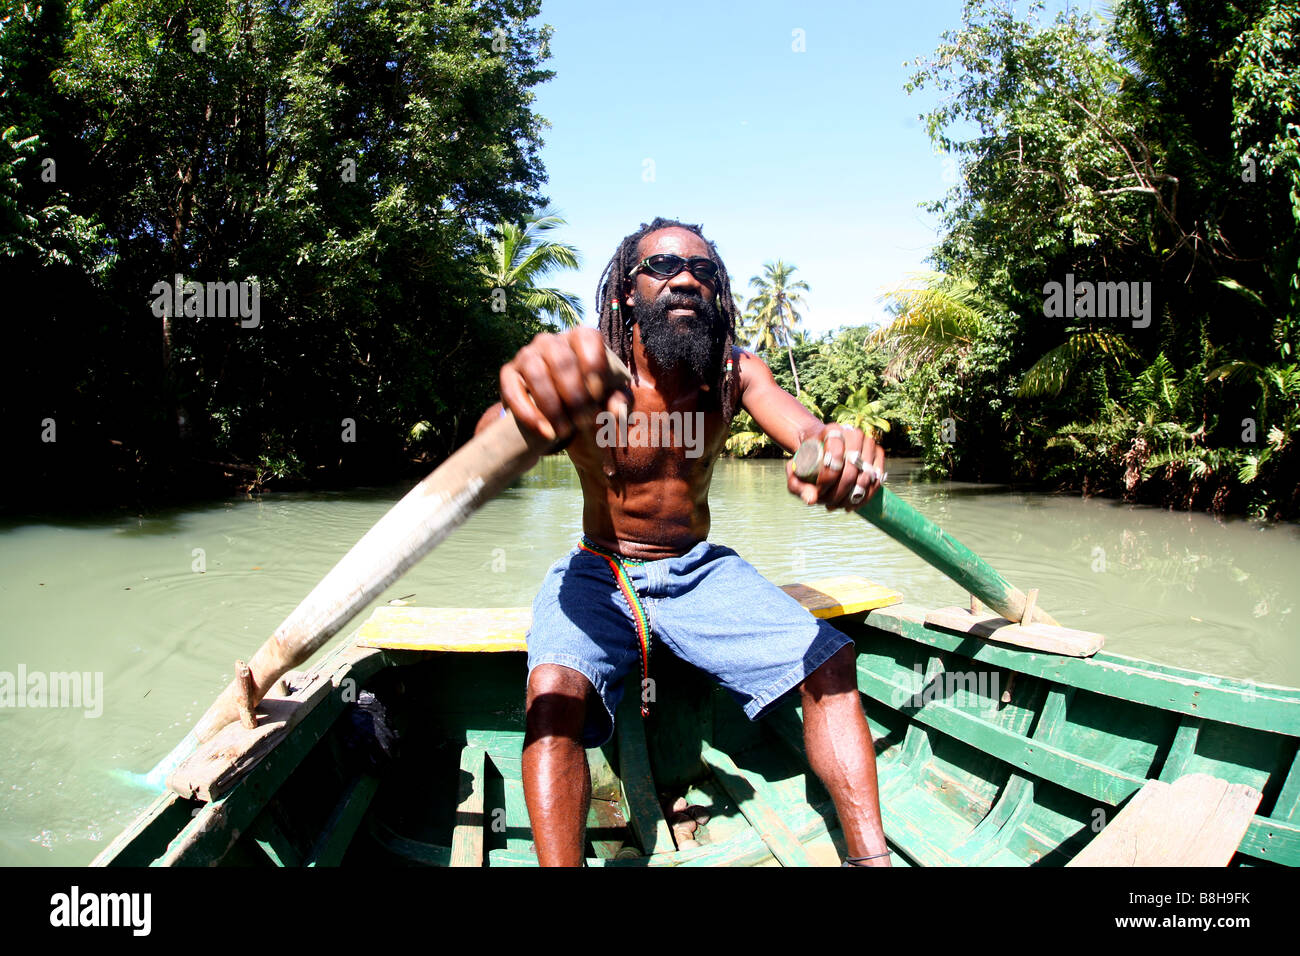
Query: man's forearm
point(495, 411)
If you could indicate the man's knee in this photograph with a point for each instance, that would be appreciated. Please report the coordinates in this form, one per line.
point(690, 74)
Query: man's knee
point(838, 674)
point(557, 702)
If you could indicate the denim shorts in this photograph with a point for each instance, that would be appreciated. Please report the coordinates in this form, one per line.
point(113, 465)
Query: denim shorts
point(709, 607)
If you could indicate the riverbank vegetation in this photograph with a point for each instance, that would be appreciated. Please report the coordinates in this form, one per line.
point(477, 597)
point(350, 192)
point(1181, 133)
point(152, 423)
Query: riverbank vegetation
point(1116, 302)
point(253, 246)
point(338, 164)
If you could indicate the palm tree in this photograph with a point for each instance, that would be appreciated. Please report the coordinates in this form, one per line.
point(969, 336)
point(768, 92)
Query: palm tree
point(862, 413)
point(938, 315)
point(520, 257)
point(1050, 373)
point(746, 438)
point(774, 310)
point(935, 315)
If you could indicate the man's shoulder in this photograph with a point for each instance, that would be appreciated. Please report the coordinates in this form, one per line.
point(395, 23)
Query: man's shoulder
point(753, 370)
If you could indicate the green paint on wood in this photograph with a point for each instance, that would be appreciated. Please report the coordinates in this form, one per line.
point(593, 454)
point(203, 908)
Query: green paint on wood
point(1272, 840)
point(149, 834)
point(1287, 806)
point(1181, 749)
point(273, 841)
point(753, 795)
point(1053, 763)
point(646, 817)
point(413, 851)
point(337, 836)
point(1275, 709)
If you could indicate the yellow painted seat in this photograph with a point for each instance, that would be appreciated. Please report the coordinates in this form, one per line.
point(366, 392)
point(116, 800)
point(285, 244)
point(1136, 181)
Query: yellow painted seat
point(505, 628)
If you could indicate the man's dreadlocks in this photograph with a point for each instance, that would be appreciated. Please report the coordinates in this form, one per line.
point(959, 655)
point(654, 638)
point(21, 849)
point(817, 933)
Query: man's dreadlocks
point(616, 324)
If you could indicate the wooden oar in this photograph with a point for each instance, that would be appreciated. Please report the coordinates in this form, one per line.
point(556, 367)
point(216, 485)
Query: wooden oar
point(411, 529)
point(926, 539)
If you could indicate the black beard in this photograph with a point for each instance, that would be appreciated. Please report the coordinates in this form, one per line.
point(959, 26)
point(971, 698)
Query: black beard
point(692, 343)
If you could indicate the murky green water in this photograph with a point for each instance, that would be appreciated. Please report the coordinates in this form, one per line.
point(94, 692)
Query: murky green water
point(123, 597)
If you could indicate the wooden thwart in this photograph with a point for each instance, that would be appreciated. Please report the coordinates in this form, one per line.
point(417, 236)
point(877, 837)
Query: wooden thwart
point(499, 629)
point(984, 624)
point(1198, 820)
point(466, 629)
point(839, 596)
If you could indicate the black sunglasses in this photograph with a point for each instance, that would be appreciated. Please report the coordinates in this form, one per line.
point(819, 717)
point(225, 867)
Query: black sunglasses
point(666, 265)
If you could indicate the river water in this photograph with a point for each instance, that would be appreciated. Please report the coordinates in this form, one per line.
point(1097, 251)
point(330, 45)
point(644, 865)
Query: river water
point(161, 605)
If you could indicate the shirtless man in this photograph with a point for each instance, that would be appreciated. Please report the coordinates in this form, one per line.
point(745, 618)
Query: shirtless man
point(644, 571)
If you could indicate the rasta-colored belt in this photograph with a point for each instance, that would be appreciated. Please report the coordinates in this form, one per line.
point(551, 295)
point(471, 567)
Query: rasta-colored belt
point(642, 621)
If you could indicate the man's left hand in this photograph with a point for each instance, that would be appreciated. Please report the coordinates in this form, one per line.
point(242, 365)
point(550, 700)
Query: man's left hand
point(851, 469)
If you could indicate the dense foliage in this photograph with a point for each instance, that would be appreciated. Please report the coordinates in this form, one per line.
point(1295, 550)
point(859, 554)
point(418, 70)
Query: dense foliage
point(1160, 150)
point(1115, 306)
point(340, 158)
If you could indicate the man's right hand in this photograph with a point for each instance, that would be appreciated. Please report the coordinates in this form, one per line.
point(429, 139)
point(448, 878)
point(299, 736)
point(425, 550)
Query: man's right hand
point(557, 384)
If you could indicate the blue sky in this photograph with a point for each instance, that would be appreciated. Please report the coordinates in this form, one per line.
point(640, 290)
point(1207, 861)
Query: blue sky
point(817, 158)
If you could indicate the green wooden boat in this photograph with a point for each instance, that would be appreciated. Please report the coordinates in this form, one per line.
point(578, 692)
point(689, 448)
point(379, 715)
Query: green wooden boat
point(988, 754)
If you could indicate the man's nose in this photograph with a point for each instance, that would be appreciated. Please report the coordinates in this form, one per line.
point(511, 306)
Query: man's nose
point(686, 283)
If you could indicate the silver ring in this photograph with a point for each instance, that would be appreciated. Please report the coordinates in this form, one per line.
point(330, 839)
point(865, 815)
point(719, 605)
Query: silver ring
point(872, 473)
point(830, 462)
point(858, 494)
point(854, 458)
point(832, 433)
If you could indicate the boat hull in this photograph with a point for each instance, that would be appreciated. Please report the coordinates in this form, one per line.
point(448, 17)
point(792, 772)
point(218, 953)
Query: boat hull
point(987, 755)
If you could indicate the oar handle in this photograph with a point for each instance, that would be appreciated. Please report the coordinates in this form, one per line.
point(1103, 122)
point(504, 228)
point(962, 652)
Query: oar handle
point(931, 543)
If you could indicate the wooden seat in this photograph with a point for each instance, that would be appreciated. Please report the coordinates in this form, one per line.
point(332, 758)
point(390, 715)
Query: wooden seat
point(1198, 820)
point(504, 628)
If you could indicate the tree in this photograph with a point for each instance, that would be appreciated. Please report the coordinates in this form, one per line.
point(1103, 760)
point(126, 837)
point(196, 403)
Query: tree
point(864, 413)
point(519, 257)
point(337, 155)
point(1157, 148)
point(935, 315)
point(775, 309)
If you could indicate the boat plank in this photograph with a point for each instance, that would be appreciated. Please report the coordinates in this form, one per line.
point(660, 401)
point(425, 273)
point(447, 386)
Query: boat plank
point(468, 835)
point(1041, 759)
point(752, 796)
point(843, 595)
point(1197, 820)
point(1181, 749)
point(1272, 839)
point(502, 629)
point(334, 840)
point(463, 629)
point(278, 848)
point(1211, 697)
point(1287, 806)
point(644, 812)
point(1050, 638)
point(148, 835)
